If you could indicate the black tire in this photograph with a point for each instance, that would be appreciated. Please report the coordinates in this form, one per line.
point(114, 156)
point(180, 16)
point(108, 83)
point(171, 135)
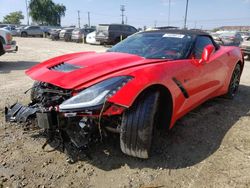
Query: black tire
point(234, 83)
point(137, 126)
point(1, 48)
point(34, 91)
point(24, 34)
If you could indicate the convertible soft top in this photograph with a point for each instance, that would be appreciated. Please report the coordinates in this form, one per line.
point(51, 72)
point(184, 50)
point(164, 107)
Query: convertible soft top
point(180, 31)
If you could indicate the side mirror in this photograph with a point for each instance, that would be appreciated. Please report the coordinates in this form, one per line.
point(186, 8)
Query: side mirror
point(207, 52)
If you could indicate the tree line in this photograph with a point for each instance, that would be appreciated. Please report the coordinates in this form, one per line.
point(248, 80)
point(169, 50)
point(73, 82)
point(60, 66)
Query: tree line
point(44, 12)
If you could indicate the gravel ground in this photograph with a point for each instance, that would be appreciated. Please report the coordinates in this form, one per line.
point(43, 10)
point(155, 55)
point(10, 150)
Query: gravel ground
point(209, 147)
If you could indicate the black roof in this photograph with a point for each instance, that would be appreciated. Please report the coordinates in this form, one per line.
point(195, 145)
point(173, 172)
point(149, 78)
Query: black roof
point(179, 31)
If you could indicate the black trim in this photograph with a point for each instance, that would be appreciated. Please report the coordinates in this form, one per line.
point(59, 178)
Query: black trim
point(183, 90)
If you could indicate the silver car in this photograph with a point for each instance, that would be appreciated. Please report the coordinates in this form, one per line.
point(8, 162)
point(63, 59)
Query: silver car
point(30, 31)
point(231, 38)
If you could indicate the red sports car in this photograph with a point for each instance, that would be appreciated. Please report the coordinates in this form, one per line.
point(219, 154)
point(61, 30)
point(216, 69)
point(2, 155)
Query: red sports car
point(149, 80)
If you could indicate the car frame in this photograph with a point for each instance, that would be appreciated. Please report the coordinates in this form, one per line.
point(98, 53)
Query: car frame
point(90, 95)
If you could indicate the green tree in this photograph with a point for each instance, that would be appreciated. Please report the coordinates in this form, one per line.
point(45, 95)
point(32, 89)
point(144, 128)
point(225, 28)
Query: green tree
point(13, 18)
point(46, 12)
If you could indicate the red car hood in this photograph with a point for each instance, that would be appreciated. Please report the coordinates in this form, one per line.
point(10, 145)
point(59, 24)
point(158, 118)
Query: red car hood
point(71, 70)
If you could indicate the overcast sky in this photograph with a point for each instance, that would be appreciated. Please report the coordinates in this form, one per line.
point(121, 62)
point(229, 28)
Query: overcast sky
point(204, 14)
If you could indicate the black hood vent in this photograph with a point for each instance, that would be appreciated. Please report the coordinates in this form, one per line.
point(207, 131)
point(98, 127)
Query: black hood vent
point(64, 67)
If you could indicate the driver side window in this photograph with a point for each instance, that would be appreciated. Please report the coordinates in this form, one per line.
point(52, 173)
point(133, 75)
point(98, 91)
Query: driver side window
point(200, 44)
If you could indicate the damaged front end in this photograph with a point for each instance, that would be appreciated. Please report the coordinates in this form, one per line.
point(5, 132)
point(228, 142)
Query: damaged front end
point(80, 116)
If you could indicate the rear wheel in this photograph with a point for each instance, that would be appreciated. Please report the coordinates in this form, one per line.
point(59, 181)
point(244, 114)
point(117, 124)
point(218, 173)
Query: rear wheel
point(24, 34)
point(234, 83)
point(137, 126)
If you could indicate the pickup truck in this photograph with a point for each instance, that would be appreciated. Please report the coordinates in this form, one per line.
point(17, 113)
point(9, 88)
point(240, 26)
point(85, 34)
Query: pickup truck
point(6, 42)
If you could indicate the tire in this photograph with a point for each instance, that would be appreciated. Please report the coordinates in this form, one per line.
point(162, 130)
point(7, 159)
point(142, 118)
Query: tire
point(1, 48)
point(137, 126)
point(24, 34)
point(34, 91)
point(234, 83)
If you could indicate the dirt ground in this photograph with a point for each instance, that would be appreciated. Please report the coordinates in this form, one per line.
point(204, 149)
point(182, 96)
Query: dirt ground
point(209, 147)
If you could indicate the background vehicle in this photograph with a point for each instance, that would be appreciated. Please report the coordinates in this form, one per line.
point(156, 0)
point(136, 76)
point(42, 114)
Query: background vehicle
point(149, 80)
point(30, 31)
point(54, 34)
point(66, 34)
point(90, 38)
point(244, 35)
point(79, 35)
point(231, 38)
point(6, 42)
point(245, 47)
point(12, 29)
point(113, 33)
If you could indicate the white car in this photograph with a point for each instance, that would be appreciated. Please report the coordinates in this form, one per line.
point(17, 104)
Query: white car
point(6, 42)
point(90, 38)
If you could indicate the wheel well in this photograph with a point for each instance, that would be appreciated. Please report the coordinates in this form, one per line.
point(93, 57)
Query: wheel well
point(241, 64)
point(166, 104)
point(1, 46)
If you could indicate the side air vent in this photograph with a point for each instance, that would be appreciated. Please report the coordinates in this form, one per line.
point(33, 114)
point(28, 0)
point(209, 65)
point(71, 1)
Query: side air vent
point(64, 67)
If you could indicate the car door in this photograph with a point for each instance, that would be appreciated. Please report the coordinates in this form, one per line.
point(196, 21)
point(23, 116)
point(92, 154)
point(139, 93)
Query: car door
point(213, 71)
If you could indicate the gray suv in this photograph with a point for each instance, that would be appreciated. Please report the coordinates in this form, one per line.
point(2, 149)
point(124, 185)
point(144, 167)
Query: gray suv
point(113, 33)
point(30, 31)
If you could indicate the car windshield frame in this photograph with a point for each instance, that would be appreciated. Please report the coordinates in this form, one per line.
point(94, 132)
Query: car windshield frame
point(156, 45)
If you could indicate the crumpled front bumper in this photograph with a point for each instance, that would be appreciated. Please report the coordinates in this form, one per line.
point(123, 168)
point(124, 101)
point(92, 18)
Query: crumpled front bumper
point(19, 113)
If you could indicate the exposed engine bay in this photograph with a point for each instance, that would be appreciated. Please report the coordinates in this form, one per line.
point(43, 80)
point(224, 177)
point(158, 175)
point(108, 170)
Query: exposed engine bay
point(80, 128)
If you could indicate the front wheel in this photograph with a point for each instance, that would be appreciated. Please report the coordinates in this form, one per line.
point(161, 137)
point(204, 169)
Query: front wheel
point(137, 126)
point(234, 83)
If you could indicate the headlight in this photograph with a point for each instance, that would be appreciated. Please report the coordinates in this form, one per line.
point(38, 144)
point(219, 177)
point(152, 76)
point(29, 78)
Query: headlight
point(96, 94)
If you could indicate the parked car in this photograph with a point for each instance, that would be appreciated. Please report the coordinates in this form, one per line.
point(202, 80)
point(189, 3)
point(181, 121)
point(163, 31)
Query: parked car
point(90, 38)
point(12, 30)
point(113, 33)
point(30, 31)
point(7, 44)
point(54, 34)
point(231, 38)
point(245, 35)
point(79, 35)
point(245, 47)
point(66, 34)
point(149, 80)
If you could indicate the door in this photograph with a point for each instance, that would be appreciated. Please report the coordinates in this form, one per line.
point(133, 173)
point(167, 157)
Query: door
point(213, 71)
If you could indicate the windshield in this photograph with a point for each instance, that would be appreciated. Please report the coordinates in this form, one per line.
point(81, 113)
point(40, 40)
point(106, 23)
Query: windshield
point(155, 45)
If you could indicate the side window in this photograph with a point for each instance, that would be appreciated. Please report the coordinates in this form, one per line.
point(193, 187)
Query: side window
point(115, 27)
point(132, 29)
point(200, 44)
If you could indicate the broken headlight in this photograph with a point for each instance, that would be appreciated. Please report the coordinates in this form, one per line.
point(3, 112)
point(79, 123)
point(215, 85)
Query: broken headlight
point(96, 94)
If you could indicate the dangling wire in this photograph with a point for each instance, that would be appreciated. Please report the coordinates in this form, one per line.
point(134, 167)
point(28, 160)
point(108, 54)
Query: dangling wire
point(100, 118)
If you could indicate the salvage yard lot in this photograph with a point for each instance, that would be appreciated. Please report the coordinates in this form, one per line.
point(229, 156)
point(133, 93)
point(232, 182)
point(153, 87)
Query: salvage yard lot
point(209, 147)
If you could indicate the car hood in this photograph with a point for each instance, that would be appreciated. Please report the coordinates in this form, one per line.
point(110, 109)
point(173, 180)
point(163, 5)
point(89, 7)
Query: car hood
point(71, 70)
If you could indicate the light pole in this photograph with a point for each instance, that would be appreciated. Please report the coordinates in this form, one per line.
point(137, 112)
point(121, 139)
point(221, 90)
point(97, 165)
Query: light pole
point(169, 12)
point(185, 20)
point(27, 12)
point(122, 8)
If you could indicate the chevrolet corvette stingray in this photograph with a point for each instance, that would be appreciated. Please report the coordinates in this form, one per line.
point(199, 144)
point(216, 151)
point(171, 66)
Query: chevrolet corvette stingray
point(149, 80)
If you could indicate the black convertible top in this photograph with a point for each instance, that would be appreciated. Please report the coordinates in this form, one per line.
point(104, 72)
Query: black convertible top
point(179, 31)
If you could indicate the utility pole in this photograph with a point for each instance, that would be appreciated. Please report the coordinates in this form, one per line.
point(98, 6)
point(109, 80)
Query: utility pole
point(185, 20)
point(89, 18)
point(155, 23)
point(27, 12)
point(79, 19)
point(122, 8)
point(169, 3)
point(126, 20)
